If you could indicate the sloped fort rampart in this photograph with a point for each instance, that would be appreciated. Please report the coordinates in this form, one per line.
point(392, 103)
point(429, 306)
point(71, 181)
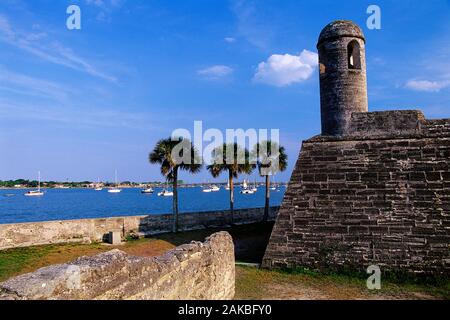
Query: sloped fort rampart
point(373, 188)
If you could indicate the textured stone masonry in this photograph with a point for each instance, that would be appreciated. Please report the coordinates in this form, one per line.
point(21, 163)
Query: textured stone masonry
point(374, 188)
point(195, 271)
point(342, 90)
point(379, 195)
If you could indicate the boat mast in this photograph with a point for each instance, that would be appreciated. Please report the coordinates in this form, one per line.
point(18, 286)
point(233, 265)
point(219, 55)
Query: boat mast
point(39, 181)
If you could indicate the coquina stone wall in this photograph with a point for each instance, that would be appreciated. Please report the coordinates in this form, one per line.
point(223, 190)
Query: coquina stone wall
point(95, 230)
point(378, 195)
point(196, 271)
point(342, 90)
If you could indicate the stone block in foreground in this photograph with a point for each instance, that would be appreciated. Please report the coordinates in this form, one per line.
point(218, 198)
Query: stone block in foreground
point(195, 271)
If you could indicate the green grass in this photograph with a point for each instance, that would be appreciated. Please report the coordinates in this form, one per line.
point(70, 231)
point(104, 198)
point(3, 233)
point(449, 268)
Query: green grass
point(20, 260)
point(254, 283)
point(391, 282)
point(251, 283)
point(14, 260)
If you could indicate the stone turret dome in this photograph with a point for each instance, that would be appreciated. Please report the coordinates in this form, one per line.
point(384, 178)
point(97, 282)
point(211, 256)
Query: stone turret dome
point(339, 29)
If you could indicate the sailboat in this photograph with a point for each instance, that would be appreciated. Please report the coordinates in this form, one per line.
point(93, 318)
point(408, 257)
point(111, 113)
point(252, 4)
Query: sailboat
point(165, 192)
point(227, 187)
point(148, 190)
point(273, 186)
point(38, 192)
point(211, 188)
point(246, 189)
point(215, 188)
point(98, 188)
point(206, 190)
point(116, 189)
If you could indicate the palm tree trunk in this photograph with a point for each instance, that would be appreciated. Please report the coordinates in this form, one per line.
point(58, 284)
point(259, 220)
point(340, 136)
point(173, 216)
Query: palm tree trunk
point(267, 205)
point(230, 179)
point(175, 200)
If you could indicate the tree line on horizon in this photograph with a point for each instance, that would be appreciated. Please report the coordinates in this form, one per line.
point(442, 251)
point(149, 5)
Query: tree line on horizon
point(73, 184)
point(242, 162)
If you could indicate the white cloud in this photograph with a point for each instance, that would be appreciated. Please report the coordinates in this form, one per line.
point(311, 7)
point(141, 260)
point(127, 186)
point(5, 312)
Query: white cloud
point(216, 72)
point(283, 70)
point(230, 39)
point(426, 85)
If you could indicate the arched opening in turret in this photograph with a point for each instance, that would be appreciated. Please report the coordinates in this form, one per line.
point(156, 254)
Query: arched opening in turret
point(354, 55)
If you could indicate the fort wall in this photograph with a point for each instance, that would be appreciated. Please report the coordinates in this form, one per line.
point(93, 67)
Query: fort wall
point(377, 195)
point(195, 271)
point(96, 230)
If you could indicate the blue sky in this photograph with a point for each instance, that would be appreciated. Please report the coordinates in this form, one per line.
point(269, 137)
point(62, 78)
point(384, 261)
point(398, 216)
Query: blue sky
point(78, 104)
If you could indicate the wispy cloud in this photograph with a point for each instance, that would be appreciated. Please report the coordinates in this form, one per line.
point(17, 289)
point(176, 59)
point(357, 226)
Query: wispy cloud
point(250, 25)
point(105, 3)
point(427, 85)
point(215, 72)
point(39, 45)
point(77, 117)
point(26, 85)
point(431, 68)
point(230, 39)
point(283, 70)
point(105, 7)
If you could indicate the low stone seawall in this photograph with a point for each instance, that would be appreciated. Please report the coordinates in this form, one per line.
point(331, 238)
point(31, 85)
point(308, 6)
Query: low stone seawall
point(195, 271)
point(94, 230)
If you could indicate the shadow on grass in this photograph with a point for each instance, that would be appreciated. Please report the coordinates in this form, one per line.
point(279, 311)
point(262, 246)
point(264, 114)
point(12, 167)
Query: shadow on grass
point(250, 241)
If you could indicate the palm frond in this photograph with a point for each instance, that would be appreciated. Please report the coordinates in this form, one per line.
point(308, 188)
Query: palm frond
point(270, 157)
point(176, 153)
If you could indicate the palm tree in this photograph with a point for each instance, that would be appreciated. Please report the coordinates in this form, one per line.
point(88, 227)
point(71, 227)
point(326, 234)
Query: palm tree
point(234, 160)
point(174, 155)
point(271, 158)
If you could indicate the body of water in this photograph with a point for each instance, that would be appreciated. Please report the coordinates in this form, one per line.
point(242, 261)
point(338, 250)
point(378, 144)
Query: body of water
point(67, 204)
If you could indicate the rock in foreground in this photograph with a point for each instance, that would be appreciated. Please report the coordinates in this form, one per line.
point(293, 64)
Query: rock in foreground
point(202, 271)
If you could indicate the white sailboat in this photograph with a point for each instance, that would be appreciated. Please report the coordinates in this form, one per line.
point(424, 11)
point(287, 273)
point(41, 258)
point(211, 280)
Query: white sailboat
point(98, 188)
point(246, 189)
point(206, 190)
point(165, 192)
point(254, 188)
point(38, 192)
point(211, 188)
point(227, 187)
point(116, 189)
point(147, 190)
point(273, 185)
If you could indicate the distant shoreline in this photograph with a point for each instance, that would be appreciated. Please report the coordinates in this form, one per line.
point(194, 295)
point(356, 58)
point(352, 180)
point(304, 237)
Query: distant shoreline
point(126, 187)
